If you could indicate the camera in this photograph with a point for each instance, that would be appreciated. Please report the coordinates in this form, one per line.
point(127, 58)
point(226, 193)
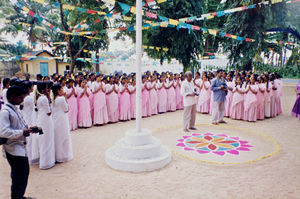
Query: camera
point(37, 130)
point(195, 92)
point(3, 141)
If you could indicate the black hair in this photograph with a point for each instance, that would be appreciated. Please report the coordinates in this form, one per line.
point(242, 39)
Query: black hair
point(260, 77)
point(219, 70)
point(13, 81)
point(241, 81)
point(230, 74)
point(70, 80)
point(53, 75)
point(15, 91)
point(79, 83)
point(277, 75)
point(124, 78)
point(49, 84)
point(61, 79)
point(272, 77)
point(39, 76)
point(55, 88)
point(41, 86)
point(27, 85)
point(5, 82)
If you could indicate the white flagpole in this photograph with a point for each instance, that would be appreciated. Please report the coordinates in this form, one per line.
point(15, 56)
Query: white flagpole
point(138, 65)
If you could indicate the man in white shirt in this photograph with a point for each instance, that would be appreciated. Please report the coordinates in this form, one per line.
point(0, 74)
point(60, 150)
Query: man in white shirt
point(13, 131)
point(189, 102)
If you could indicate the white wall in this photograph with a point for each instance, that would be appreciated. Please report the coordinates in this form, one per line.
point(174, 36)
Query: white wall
point(129, 66)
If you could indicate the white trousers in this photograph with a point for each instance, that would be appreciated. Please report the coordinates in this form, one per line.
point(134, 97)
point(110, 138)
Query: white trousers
point(189, 116)
point(218, 111)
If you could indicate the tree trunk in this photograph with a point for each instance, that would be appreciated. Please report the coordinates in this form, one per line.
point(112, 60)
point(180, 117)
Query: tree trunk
point(248, 66)
point(284, 56)
point(73, 62)
point(272, 58)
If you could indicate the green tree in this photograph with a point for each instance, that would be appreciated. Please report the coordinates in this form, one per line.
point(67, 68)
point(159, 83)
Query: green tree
point(65, 20)
point(183, 44)
point(69, 19)
point(212, 42)
point(250, 23)
point(14, 49)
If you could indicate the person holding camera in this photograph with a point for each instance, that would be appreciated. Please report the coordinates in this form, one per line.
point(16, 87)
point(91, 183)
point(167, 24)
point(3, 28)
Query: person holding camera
point(189, 102)
point(13, 131)
point(219, 88)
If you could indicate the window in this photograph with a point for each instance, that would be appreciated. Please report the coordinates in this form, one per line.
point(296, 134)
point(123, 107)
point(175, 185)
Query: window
point(67, 67)
point(26, 68)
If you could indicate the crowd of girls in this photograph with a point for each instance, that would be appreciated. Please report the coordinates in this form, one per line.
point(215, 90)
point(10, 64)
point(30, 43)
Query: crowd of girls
point(250, 96)
point(83, 100)
point(39, 109)
point(97, 99)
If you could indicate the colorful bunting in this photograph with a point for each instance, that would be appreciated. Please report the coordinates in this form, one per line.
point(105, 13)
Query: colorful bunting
point(230, 11)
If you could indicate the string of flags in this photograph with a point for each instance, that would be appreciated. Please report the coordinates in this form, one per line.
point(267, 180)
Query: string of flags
point(89, 11)
point(232, 10)
point(51, 26)
point(165, 22)
point(168, 22)
point(102, 56)
point(282, 42)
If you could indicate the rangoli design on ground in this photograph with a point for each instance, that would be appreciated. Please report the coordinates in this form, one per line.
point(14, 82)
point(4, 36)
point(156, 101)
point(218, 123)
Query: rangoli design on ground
point(219, 144)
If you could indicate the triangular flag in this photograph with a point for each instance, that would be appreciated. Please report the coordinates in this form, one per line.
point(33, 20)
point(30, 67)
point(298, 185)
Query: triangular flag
point(124, 7)
point(213, 32)
point(173, 22)
point(133, 9)
point(233, 36)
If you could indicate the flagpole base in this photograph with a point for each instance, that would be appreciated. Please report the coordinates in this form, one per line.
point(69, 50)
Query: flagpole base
point(138, 152)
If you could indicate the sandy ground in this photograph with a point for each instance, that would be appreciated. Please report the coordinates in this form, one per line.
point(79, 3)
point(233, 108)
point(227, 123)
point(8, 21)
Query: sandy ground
point(87, 176)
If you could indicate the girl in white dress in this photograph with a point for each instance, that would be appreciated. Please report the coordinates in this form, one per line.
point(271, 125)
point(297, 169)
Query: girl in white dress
point(162, 95)
point(71, 95)
point(132, 91)
point(84, 108)
point(46, 145)
point(153, 95)
point(100, 108)
point(267, 98)
point(112, 100)
point(6, 84)
point(198, 83)
point(63, 143)
point(27, 113)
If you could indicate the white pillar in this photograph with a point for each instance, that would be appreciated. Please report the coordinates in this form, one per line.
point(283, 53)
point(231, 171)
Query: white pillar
point(138, 151)
point(138, 29)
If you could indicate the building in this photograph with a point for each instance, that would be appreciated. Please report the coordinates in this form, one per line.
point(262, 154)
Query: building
point(44, 63)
